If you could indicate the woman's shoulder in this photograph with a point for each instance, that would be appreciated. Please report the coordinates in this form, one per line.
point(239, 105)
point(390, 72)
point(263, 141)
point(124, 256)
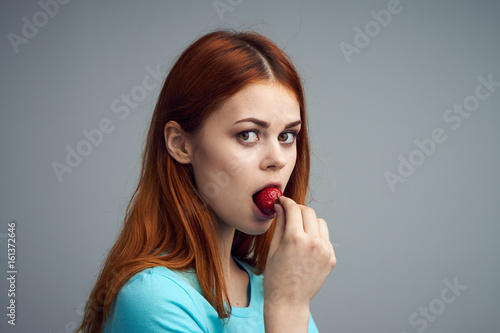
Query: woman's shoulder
point(155, 298)
point(159, 281)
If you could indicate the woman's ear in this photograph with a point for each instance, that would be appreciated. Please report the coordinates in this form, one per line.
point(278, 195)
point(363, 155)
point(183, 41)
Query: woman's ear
point(177, 142)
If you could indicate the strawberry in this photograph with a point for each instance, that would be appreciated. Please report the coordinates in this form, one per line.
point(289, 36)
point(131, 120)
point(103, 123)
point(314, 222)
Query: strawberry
point(266, 198)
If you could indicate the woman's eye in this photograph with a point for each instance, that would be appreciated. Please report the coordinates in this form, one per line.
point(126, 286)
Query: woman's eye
point(248, 136)
point(287, 137)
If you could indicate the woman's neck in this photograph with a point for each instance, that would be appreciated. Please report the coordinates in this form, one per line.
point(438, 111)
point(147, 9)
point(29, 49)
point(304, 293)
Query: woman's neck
point(237, 280)
point(225, 236)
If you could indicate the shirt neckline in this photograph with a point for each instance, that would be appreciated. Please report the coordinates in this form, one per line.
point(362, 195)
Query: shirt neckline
point(236, 311)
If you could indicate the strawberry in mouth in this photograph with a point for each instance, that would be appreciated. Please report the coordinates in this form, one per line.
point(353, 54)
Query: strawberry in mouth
point(266, 199)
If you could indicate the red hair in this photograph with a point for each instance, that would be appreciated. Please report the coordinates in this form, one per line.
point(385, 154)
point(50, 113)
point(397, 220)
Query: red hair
point(165, 213)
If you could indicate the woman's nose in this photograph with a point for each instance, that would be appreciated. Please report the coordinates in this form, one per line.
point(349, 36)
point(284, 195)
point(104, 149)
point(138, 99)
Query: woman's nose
point(274, 156)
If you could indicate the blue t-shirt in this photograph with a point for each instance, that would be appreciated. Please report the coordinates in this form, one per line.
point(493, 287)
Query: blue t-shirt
point(158, 299)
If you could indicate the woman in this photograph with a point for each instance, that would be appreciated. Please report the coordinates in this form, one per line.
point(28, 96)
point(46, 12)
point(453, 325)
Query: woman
point(229, 122)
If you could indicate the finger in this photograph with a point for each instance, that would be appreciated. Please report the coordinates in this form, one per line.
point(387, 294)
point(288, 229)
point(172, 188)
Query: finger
point(293, 214)
point(323, 230)
point(279, 229)
point(309, 220)
point(333, 257)
point(325, 236)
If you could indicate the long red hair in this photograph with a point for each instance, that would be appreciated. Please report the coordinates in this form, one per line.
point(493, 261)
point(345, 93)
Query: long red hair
point(165, 213)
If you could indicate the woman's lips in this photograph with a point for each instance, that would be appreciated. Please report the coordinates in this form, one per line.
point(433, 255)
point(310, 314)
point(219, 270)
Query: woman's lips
point(272, 183)
point(261, 214)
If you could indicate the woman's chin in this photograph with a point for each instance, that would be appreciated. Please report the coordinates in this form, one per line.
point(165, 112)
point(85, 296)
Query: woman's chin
point(257, 228)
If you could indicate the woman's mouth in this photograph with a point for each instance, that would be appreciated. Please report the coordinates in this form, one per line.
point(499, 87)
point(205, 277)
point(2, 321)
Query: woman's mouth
point(266, 198)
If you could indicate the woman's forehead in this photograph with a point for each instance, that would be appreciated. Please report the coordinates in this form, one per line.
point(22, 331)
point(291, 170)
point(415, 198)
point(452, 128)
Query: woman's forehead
point(270, 102)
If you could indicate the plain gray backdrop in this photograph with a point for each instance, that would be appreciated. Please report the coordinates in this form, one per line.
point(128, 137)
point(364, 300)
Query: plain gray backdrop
point(404, 128)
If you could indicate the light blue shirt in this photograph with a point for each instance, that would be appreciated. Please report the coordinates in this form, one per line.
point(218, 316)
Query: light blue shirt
point(158, 299)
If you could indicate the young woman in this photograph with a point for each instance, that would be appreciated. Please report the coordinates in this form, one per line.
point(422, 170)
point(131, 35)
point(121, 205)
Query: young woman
point(196, 253)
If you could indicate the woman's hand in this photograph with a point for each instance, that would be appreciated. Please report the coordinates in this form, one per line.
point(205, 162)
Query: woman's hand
point(300, 258)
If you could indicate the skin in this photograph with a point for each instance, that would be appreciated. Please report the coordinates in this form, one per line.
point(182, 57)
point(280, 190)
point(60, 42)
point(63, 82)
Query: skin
point(244, 145)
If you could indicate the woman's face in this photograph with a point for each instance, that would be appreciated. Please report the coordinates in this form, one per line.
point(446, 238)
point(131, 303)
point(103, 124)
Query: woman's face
point(247, 144)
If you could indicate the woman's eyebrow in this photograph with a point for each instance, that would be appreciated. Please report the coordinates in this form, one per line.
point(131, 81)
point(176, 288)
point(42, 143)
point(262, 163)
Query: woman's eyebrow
point(256, 121)
point(265, 124)
point(293, 124)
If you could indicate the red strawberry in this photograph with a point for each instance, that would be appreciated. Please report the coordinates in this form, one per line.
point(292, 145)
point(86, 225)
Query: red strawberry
point(266, 199)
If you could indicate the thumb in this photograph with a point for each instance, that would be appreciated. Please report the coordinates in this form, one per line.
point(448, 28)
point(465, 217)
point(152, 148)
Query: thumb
point(279, 230)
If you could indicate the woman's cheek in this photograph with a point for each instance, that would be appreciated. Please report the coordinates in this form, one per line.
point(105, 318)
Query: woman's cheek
point(235, 166)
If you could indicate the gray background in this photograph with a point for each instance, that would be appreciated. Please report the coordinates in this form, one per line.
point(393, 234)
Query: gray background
point(395, 248)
